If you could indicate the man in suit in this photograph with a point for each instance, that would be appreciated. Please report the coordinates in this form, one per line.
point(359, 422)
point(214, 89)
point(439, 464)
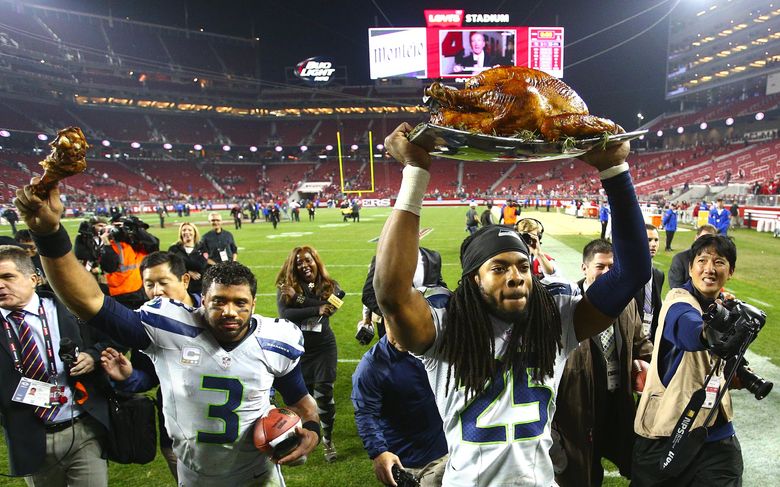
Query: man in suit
point(595, 413)
point(479, 59)
point(55, 445)
point(649, 308)
point(678, 271)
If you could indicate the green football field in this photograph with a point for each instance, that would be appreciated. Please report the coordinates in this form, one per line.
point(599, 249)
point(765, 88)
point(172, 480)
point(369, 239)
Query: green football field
point(347, 248)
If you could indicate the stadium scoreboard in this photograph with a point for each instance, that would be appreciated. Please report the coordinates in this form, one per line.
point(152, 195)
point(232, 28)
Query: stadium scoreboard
point(445, 47)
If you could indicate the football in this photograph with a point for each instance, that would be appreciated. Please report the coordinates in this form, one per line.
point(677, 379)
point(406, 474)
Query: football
point(275, 432)
point(639, 374)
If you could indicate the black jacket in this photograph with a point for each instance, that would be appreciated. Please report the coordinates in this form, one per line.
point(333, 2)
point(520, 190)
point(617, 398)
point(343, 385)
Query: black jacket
point(678, 271)
point(432, 277)
point(195, 262)
point(25, 433)
point(658, 285)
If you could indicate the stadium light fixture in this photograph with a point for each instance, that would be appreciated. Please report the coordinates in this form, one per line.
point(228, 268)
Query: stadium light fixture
point(380, 146)
point(167, 146)
point(194, 80)
point(106, 143)
point(278, 148)
point(660, 133)
point(328, 147)
point(729, 121)
point(226, 148)
point(760, 116)
point(304, 148)
point(5, 133)
point(135, 145)
point(43, 137)
point(108, 156)
point(197, 147)
point(354, 147)
point(253, 149)
point(703, 125)
point(680, 130)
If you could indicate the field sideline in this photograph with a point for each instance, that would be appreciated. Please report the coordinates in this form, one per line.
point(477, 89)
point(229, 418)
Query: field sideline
point(347, 248)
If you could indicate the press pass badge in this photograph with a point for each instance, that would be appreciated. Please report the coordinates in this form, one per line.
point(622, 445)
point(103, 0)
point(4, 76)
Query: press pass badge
point(223, 257)
point(647, 320)
point(33, 392)
point(712, 392)
point(613, 375)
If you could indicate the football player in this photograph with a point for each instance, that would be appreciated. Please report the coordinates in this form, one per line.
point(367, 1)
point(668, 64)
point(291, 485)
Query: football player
point(495, 349)
point(216, 363)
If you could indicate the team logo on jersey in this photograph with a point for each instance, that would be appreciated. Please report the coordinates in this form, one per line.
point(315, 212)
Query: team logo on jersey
point(225, 362)
point(190, 355)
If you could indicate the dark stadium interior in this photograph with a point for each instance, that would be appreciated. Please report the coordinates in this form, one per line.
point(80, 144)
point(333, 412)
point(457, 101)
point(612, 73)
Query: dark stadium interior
point(139, 79)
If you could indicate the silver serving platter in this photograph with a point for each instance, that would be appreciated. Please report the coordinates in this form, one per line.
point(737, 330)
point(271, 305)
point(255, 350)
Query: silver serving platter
point(467, 146)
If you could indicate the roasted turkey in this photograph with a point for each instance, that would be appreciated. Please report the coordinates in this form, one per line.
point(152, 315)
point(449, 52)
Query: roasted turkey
point(508, 101)
point(67, 157)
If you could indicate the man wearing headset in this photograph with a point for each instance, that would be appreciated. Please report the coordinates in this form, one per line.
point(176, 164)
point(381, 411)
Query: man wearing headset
point(542, 265)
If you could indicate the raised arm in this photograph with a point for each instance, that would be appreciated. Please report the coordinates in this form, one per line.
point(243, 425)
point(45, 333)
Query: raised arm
point(405, 310)
point(74, 286)
point(613, 291)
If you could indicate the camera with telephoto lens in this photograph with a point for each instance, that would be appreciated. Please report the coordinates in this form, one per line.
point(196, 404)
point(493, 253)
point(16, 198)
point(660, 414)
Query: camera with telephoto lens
point(751, 381)
point(404, 478)
point(365, 333)
point(731, 327)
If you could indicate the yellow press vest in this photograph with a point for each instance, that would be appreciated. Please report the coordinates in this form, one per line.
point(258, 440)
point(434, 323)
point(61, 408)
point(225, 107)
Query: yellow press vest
point(660, 407)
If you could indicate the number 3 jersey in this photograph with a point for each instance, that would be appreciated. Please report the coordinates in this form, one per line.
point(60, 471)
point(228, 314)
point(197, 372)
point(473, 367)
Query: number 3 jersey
point(502, 436)
point(213, 396)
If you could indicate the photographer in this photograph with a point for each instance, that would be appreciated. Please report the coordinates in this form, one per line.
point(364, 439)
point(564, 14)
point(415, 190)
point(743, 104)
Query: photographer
point(683, 358)
point(124, 247)
point(88, 242)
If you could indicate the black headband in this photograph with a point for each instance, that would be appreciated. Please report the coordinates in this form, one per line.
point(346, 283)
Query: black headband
point(488, 242)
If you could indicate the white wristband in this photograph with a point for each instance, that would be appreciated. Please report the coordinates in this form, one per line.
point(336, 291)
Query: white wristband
point(613, 171)
point(413, 185)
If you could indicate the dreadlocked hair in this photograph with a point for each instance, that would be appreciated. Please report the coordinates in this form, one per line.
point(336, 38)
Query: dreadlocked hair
point(468, 343)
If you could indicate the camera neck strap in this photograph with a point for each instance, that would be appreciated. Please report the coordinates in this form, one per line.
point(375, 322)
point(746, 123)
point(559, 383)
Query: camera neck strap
point(13, 341)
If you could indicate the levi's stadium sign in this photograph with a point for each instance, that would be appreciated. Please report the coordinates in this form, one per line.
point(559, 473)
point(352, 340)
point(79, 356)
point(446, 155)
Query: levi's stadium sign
point(456, 18)
point(315, 70)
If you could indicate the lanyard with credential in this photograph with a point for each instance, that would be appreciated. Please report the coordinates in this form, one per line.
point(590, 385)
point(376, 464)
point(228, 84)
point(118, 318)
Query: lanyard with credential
point(12, 340)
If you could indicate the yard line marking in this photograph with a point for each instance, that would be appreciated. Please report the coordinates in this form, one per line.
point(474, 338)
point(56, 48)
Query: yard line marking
point(760, 302)
point(349, 360)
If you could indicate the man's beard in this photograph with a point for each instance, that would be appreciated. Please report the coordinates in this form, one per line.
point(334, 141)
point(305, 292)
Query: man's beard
point(515, 317)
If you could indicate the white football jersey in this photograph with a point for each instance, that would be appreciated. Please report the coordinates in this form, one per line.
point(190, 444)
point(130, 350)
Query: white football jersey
point(502, 436)
point(212, 397)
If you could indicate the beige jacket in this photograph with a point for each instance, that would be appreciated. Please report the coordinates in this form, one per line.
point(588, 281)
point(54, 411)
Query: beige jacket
point(660, 407)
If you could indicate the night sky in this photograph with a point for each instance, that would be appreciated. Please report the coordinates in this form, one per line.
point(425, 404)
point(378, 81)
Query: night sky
point(617, 84)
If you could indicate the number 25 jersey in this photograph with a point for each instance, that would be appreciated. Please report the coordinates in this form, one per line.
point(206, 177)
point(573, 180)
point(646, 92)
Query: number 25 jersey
point(502, 436)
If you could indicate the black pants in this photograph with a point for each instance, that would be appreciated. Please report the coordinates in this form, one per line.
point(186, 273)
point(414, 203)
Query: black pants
point(669, 238)
point(717, 463)
point(326, 406)
point(603, 230)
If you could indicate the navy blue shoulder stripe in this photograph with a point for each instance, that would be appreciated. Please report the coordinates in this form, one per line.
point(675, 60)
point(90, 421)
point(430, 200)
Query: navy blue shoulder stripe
point(279, 347)
point(438, 300)
point(558, 288)
point(169, 324)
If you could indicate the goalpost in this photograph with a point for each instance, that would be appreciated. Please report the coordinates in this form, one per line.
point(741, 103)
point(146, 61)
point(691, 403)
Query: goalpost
point(370, 161)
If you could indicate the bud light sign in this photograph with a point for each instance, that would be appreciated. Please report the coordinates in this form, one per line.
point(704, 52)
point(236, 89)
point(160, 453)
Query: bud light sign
point(315, 70)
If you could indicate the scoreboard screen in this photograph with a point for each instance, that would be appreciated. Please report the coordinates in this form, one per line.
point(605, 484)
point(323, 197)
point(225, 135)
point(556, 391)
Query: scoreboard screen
point(462, 51)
